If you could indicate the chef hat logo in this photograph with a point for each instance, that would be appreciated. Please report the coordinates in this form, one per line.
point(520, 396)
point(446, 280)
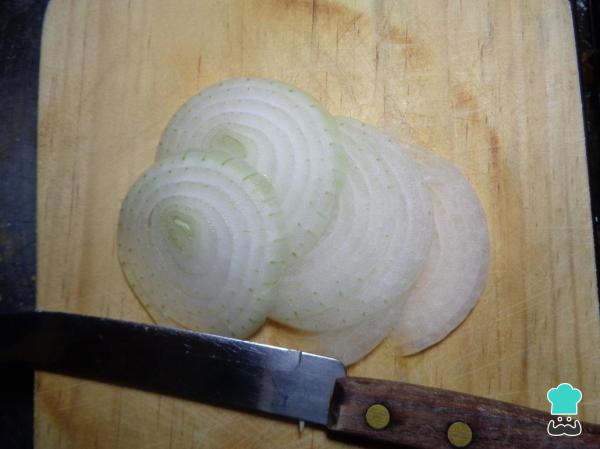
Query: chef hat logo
point(564, 399)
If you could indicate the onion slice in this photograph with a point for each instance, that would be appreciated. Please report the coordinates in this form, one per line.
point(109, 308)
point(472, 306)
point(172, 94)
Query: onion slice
point(282, 132)
point(376, 245)
point(447, 289)
point(455, 272)
point(201, 242)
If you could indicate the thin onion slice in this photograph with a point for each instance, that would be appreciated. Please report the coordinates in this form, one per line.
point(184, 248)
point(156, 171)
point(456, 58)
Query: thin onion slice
point(447, 289)
point(455, 272)
point(201, 242)
point(282, 132)
point(375, 247)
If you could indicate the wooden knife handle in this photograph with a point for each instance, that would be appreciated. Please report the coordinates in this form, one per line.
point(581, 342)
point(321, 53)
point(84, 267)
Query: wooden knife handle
point(420, 417)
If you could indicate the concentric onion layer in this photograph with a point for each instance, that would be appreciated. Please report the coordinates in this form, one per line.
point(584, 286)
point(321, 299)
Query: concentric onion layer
point(201, 242)
point(376, 245)
point(282, 132)
point(447, 289)
point(456, 269)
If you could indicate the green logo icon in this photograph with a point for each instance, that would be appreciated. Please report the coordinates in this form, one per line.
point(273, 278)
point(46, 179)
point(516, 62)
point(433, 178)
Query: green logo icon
point(564, 399)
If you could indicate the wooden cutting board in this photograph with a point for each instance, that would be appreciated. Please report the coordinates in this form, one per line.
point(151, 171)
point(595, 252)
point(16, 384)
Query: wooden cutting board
point(491, 85)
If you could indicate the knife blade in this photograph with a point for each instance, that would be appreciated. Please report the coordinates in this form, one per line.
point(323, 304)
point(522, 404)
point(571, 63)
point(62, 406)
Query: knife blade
point(201, 367)
point(275, 381)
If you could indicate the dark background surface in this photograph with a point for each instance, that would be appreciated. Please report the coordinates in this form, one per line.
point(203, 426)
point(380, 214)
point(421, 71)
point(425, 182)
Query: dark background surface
point(20, 38)
point(586, 21)
point(20, 34)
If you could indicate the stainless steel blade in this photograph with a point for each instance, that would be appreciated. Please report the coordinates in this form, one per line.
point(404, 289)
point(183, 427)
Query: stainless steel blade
point(186, 364)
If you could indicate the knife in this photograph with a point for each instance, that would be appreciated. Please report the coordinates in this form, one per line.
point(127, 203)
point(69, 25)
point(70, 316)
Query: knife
point(275, 381)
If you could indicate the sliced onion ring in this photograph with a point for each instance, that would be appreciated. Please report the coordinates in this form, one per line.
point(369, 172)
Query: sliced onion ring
point(375, 247)
point(455, 272)
point(447, 289)
point(201, 242)
point(282, 132)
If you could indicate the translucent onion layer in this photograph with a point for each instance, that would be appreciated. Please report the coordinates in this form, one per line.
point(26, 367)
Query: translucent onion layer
point(202, 243)
point(376, 244)
point(282, 132)
point(447, 289)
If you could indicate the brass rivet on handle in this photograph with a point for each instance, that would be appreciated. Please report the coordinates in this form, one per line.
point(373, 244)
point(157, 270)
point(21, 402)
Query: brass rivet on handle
point(460, 434)
point(377, 416)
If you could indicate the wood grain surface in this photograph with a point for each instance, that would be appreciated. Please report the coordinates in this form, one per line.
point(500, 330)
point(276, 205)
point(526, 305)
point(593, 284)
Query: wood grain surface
point(491, 85)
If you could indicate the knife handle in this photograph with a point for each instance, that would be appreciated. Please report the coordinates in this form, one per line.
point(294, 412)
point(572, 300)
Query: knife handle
point(424, 418)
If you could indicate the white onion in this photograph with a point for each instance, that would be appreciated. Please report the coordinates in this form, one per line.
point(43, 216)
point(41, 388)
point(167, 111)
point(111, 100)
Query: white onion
point(282, 132)
point(376, 244)
point(245, 215)
point(455, 272)
point(445, 292)
point(201, 242)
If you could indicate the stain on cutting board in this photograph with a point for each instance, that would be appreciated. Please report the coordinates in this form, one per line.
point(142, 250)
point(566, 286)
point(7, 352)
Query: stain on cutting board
point(493, 86)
